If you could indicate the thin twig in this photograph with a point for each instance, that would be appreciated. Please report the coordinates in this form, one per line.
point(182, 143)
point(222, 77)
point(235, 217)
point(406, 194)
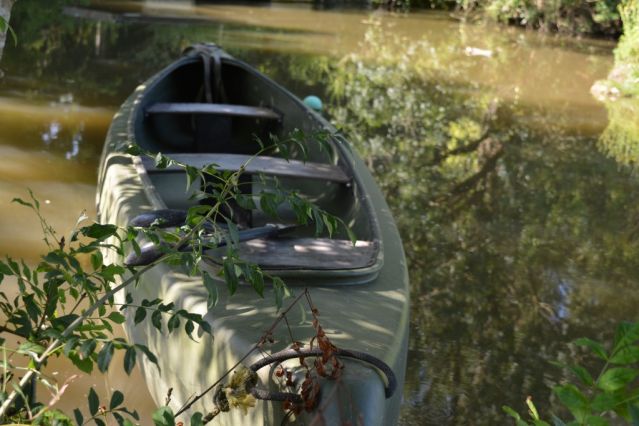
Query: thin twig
point(260, 342)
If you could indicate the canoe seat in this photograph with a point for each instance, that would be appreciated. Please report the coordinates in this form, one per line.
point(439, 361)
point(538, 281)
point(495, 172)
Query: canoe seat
point(214, 109)
point(305, 253)
point(254, 165)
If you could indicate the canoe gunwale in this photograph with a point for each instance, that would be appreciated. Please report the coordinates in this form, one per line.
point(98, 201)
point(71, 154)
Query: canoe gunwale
point(299, 276)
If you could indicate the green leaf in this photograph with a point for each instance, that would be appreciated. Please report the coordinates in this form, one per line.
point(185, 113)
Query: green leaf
point(32, 308)
point(234, 234)
point(116, 399)
point(162, 162)
point(616, 378)
point(118, 418)
point(280, 291)
point(211, 288)
point(582, 374)
point(70, 345)
point(133, 413)
point(56, 258)
point(94, 402)
point(99, 231)
point(79, 418)
point(229, 275)
point(257, 281)
point(625, 355)
point(192, 175)
point(163, 416)
point(627, 333)
point(156, 320)
point(83, 364)
point(196, 419)
point(531, 407)
point(104, 357)
point(96, 260)
point(607, 401)
point(595, 421)
point(133, 150)
point(205, 326)
point(129, 360)
point(148, 354)
point(110, 271)
point(116, 317)
point(596, 347)
point(87, 348)
point(512, 413)
point(573, 399)
point(173, 323)
point(189, 327)
point(30, 348)
point(21, 201)
point(140, 314)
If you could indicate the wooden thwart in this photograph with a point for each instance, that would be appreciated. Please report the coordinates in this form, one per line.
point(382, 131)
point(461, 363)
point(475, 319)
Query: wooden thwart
point(306, 253)
point(214, 109)
point(256, 164)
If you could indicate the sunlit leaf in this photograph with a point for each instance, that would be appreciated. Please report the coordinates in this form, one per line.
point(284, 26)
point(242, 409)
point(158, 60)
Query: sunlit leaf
point(625, 355)
point(116, 317)
point(163, 416)
point(573, 399)
point(616, 378)
point(99, 231)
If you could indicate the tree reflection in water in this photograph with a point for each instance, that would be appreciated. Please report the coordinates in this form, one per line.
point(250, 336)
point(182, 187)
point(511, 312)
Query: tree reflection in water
point(519, 237)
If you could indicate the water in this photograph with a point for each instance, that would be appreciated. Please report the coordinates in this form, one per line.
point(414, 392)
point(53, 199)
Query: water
point(520, 227)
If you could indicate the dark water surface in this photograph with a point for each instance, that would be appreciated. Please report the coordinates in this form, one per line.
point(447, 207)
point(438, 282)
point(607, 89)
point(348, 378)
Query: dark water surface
point(520, 231)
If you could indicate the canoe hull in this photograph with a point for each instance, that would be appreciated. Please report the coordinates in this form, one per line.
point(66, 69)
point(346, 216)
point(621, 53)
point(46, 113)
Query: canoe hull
point(371, 317)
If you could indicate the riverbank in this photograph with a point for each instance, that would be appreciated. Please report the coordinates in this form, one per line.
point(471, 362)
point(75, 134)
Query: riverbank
point(581, 17)
point(623, 80)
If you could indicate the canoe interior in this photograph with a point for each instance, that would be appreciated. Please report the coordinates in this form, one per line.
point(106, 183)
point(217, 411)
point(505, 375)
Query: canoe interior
point(173, 117)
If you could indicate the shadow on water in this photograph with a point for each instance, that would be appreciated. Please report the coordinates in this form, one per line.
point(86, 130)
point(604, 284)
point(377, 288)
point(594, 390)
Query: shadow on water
point(519, 225)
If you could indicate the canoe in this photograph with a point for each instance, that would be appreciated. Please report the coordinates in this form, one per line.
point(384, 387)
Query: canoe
point(207, 108)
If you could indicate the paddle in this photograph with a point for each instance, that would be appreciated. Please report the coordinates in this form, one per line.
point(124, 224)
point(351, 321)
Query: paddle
point(151, 252)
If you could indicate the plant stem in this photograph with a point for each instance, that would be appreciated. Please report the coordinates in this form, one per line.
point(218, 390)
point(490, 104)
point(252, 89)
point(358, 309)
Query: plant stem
point(246, 355)
point(75, 324)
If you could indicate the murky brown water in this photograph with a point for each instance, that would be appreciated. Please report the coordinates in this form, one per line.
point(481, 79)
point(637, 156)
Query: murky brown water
point(517, 245)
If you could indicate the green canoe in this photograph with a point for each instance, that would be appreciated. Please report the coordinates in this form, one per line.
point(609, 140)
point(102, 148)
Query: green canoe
point(207, 107)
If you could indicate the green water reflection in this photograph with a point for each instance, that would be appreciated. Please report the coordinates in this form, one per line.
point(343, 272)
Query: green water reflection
point(519, 224)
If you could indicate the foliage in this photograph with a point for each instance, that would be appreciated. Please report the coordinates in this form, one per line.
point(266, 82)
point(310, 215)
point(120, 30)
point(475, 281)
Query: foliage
point(620, 139)
point(566, 16)
point(625, 75)
point(4, 27)
point(66, 305)
point(575, 17)
point(598, 399)
point(512, 221)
